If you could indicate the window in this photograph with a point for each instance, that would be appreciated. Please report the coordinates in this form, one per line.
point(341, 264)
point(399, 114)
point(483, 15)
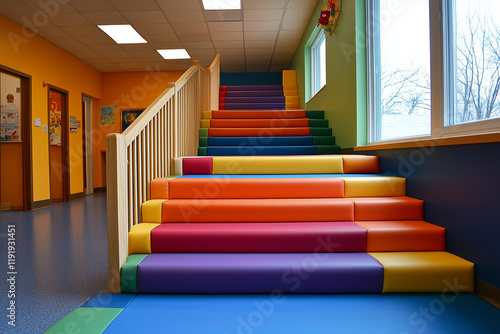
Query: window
point(473, 42)
point(318, 63)
point(433, 68)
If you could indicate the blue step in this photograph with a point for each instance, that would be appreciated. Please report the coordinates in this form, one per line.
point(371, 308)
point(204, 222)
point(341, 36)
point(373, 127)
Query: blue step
point(254, 99)
point(260, 150)
point(254, 106)
point(254, 87)
point(254, 93)
point(260, 141)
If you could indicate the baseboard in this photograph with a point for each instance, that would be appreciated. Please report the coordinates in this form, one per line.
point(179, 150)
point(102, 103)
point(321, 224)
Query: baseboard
point(488, 292)
point(39, 204)
point(100, 190)
point(76, 196)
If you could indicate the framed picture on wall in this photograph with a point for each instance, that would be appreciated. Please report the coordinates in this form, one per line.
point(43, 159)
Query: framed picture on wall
point(128, 116)
point(107, 115)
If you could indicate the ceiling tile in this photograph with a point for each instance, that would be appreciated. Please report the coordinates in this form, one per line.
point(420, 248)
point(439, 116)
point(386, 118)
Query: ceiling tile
point(159, 38)
point(260, 35)
point(229, 45)
point(305, 4)
point(230, 52)
point(166, 45)
point(105, 47)
point(278, 67)
point(87, 30)
point(137, 47)
point(296, 25)
point(51, 8)
point(106, 18)
point(259, 4)
point(258, 58)
point(134, 5)
point(65, 20)
point(225, 26)
point(94, 40)
point(232, 58)
point(283, 57)
point(227, 36)
point(159, 28)
point(109, 68)
point(86, 55)
point(262, 25)
point(259, 52)
point(260, 44)
point(296, 14)
point(180, 5)
point(194, 37)
point(184, 15)
point(190, 28)
point(69, 44)
point(198, 45)
point(223, 15)
point(48, 32)
point(144, 54)
point(92, 6)
point(262, 14)
point(138, 67)
point(121, 55)
point(257, 68)
point(151, 17)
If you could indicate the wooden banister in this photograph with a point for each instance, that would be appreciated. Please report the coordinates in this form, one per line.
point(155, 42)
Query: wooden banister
point(167, 129)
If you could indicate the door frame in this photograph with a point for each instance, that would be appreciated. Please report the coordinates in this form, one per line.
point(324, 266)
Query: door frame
point(26, 114)
point(87, 145)
point(64, 139)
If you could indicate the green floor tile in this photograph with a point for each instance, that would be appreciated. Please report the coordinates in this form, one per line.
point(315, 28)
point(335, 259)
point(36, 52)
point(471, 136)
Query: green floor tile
point(85, 320)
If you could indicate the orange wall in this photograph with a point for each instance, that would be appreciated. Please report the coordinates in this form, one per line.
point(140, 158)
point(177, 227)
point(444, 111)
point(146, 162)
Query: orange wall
point(124, 90)
point(33, 55)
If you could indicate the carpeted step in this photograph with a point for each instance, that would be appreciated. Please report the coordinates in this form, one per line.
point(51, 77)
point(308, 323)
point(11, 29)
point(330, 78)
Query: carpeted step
point(254, 93)
point(260, 273)
point(303, 237)
point(251, 88)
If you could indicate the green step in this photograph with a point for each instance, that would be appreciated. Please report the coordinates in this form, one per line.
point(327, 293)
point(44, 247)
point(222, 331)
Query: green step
point(203, 132)
point(129, 273)
point(315, 114)
point(321, 131)
point(324, 140)
point(203, 141)
point(318, 123)
point(202, 151)
point(328, 149)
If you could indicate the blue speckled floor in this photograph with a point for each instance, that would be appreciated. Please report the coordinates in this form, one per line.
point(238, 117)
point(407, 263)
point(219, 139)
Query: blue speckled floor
point(61, 259)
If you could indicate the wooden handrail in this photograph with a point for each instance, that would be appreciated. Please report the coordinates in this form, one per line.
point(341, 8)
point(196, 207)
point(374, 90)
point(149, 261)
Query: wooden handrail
point(167, 129)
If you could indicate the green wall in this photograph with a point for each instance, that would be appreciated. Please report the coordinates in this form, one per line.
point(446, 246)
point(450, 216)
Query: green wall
point(344, 97)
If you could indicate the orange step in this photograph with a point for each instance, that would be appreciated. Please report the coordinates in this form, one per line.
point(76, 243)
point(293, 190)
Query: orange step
point(257, 210)
point(226, 188)
point(256, 114)
point(259, 123)
point(388, 208)
point(258, 132)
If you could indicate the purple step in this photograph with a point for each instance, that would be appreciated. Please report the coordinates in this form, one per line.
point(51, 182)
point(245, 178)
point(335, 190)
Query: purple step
point(254, 93)
point(254, 106)
point(260, 273)
point(251, 99)
point(255, 87)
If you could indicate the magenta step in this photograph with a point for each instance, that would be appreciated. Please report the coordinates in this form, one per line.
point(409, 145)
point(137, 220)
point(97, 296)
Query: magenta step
point(313, 237)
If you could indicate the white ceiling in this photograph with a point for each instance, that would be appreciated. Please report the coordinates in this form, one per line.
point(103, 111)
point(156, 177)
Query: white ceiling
point(262, 37)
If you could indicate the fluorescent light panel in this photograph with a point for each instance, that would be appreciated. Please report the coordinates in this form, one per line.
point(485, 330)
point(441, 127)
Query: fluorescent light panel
point(123, 33)
point(174, 54)
point(221, 4)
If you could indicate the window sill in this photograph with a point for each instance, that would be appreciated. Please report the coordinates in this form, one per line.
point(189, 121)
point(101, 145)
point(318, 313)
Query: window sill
point(428, 142)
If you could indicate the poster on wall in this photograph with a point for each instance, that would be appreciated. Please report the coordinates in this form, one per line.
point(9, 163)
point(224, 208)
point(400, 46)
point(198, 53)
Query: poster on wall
point(72, 124)
point(128, 116)
point(10, 129)
point(107, 116)
point(55, 130)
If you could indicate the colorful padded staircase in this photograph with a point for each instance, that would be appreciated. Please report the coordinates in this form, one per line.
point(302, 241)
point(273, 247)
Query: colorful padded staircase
point(287, 224)
point(265, 132)
point(264, 120)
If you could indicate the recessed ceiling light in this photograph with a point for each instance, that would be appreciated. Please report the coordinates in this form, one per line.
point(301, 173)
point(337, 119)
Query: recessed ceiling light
point(221, 4)
point(174, 54)
point(123, 33)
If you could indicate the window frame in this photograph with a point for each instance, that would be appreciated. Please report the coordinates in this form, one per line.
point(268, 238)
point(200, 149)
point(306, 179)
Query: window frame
point(443, 89)
point(316, 67)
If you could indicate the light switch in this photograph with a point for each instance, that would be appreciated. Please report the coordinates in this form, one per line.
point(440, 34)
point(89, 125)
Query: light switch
point(45, 128)
point(38, 122)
